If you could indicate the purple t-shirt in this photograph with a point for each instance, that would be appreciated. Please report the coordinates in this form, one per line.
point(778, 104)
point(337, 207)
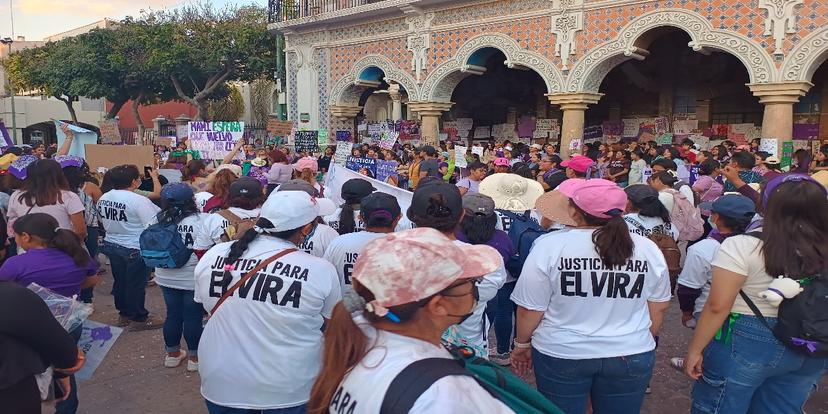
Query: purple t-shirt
point(500, 241)
point(50, 268)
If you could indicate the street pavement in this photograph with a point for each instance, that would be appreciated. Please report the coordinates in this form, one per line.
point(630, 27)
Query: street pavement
point(133, 380)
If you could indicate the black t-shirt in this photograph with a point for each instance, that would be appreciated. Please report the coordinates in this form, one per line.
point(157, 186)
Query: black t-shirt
point(431, 168)
point(616, 166)
point(324, 163)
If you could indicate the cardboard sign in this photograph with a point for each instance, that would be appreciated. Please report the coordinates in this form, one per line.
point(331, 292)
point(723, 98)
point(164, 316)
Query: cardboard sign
point(164, 141)
point(213, 140)
point(279, 128)
point(357, 164)
point(386, 169)
point(109, 156)
point(460, 156)
point(769, 145)
point(81, 138)
point(307, 141)
point(343, 151)
point(109, 132)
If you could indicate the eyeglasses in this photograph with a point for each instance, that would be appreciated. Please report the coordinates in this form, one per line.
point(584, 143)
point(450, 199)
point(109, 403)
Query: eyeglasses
point(475, 292)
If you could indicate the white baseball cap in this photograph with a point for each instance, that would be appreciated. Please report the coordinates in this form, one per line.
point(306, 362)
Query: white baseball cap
point(289, 210)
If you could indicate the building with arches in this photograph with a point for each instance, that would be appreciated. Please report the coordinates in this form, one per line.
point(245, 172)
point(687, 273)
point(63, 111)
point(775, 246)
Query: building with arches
point(580, 61)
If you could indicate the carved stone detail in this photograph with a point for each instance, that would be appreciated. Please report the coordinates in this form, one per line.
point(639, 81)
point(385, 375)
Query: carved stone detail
point(781, 20)
point(590, 71)
point(806, 57)
point(347, 90)
point(419, 41)
point(441, 82)
point(566, 26)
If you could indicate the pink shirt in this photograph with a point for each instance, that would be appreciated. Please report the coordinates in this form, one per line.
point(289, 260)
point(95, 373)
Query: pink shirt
point(62, 212)
point(708, 189)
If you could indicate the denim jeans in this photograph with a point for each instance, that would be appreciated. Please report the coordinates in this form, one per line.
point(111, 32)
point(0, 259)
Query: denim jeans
point(615, 385)
point(754, 372)
point(501, 311)
point(91, 247)
point(218, 409)
point(183, 317)
point(130, 280)
point(70, 404)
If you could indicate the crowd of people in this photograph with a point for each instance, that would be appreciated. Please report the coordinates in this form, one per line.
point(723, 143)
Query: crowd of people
point(289, 303)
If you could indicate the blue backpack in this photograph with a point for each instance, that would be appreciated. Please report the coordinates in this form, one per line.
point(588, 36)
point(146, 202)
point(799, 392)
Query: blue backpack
point(162, 246)
point(523, 231)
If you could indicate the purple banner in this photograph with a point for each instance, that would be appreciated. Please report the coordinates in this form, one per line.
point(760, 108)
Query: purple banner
point(805, 131)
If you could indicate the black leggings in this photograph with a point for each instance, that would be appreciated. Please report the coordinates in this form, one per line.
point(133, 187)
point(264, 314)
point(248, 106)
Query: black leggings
point(21, 398)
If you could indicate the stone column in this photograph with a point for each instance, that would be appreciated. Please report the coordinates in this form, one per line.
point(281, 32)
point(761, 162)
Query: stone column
point(779, 99)
point(574, 106)
point(430, 113)
point(396, 102)
point(346, 114)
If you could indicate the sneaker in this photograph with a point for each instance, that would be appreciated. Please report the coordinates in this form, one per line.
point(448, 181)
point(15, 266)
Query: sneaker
point(151, 282)
point(173, 361)
point(192, 366)
point(123, 321)
point(147, 325)
point(501, 359)
point(677, 363)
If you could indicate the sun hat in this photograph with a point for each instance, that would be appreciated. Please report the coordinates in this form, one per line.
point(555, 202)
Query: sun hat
point(536, 146)
point(578, 163)
point(177, 193)
point(511, 192)
point(734, 206)
point(772, 160)
point(555, 205)
point(501, 162)
point(306, 163)
point(288, 210)
point(476, 203)
point(600, 198)
point(407, 266)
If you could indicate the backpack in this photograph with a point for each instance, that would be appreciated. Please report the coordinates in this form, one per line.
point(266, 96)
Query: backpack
point(418, 376)
point(523, 231)
point(802, 321)
point(669, 249)
point(696, 198)
point(162, 246)
point(686, 217)
point(237, 227)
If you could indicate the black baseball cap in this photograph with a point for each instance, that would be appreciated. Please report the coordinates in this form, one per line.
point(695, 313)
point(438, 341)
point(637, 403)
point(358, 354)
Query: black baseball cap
point(380, 204)
point(641, 194)
point(421, 205)
point(356, 189)
point(248, 187)
point(429, 150)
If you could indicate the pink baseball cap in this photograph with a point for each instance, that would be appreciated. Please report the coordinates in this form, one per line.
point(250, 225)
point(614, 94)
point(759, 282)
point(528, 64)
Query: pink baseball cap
point(555, 205)
point(600, 198)
point(306, 163)
point(411, 265)
point(503, 162)
point(578, 163)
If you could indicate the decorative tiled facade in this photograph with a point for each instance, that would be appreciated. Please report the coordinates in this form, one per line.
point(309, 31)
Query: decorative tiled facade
point(322, 66)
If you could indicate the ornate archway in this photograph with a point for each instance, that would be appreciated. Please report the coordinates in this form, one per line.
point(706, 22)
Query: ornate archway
point(347, 90)
point(804, 60)
point(440, 84)
point(591, 69)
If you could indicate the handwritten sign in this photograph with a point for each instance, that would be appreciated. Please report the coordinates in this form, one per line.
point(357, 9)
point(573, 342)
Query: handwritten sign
point(323, 138)
point(482, 132)
point(685, 126)
point(631, 127)
point(386, 169)
point(343, 151)
point(769, 145)
point(109, 132)
point(358, 164)
point(213, 140)
point(477, 149)
point(307, 141)
point(665, 139)
point(460, 156)
point(464, 124)
point(166, 141)
point(388, 139)
point(279, 128)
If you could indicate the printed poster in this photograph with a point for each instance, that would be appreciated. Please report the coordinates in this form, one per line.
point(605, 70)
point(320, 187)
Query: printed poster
point(362, 164)
point(343, 136)
point(96, 341)
point(386, 169)
point(323, 138)
point(388, 139)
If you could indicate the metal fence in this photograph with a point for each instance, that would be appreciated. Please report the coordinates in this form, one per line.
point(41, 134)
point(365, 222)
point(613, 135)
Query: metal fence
point(283, 10)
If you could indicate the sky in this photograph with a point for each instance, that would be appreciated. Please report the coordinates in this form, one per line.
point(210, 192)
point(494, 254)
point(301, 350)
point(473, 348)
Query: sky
point(36, 19)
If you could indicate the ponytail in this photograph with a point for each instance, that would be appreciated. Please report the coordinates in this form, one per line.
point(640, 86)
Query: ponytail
point(45, 228)
point(240, 246)
point(612, 238)
point(346, 219)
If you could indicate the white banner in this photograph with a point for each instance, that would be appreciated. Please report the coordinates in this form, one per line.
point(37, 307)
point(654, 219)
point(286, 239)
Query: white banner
point(338, 175)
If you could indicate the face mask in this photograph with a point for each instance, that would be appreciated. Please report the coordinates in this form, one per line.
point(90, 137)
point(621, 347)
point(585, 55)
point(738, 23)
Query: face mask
point(310, 235)
point(712, 223)
point(476, 294)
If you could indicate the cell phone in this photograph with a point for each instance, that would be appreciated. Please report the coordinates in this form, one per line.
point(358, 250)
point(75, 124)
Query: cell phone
point(147, 171)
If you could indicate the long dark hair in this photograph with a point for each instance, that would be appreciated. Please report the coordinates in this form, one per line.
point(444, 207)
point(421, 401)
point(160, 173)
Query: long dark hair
point(78, 176)
point(652, 207)
point(795, 230)
point(612, 238)
point(45, 227)
point(239, 246)
point(191, 171)
point(478, 228)
point(175, 212)
point(347, 224)
point(43, 184)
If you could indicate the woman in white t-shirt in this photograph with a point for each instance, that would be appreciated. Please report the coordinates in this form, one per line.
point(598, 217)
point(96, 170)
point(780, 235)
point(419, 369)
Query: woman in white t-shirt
point(244, 202)
point(590, 300)
point(45, 190)
point(739, 365)
point(346, 218)
point(184, 315)
point(646, 215)
point(268, 302)
point(323, 234)
point(383, 326)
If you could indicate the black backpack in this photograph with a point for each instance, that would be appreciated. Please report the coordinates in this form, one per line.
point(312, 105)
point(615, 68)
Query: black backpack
point(802, 321)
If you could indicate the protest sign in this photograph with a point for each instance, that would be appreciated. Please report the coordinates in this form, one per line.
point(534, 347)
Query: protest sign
point(464, 124)
point(323, 138)
point(702, 141)
point(388, 139)
point(109, 132)
point(109, 156)
point(337, 176)
point(96, 340)
point(646, 174)
point(386, 169)
point(306, 141)
point(482, 132)
point(450, 125)
point(631, 127)
point(665, 139)
point(357, 164)
point(375, 129)
point(213, 140)
point(694, 174)
point(685, 126)
point(787, 155)
point(460, 156)
point(173, 176)
point(769, 145)
point(799, 144)
point(805, 131)
point(540, 134)
point(164, 141)
point(575, 144)
point(343, 135)
point(613, 127)
point(477, 149)
point(343, 151)
point(81, 138)
point(593, 133)
point(4, 133)
point(662, 125)
point(181, 132)
point(279, 128)
point(546, 124)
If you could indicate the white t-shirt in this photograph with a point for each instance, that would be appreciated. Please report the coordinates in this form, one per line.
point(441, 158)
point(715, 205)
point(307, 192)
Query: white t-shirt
point(404, 223)
point(201, 199)
point(698, 272)
point(195, 237)
point(319, 241)
point(649, 225)
point(215, 224)
point(591, 311)
point(364, 387)
point(262, 349)
point(124, 216)
point(743, 255)
point(333, 220)
point(476, 327)
point(343, 252)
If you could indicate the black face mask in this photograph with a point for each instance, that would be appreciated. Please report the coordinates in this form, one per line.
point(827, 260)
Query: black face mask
point(476, 294)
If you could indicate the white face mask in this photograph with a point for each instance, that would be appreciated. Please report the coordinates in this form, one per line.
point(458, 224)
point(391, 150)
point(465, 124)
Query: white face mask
point(712, 223)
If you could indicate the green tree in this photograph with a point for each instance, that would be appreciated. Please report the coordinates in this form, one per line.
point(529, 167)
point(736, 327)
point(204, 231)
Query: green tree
point(229, 108)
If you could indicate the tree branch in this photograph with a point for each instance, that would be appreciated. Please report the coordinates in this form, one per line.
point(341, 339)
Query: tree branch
point(210, 87)
point(181, 93)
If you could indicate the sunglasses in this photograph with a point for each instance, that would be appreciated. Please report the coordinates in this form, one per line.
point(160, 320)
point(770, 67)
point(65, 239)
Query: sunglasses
point(475, 292)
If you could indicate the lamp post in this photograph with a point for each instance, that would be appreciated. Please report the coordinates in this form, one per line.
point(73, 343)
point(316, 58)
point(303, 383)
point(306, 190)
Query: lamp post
point(8, 42)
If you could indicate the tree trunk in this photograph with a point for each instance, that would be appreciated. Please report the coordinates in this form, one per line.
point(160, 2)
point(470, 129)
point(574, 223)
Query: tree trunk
point(69, 106)
point(137, 115)
point(116, 107)
point(203, 110)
